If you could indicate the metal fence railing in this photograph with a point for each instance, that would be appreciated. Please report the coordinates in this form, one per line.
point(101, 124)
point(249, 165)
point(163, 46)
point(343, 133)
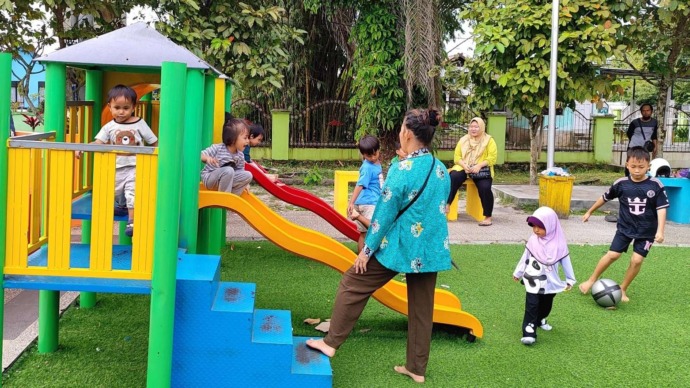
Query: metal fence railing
point(255, 113)
point(573, 132)
point(328, 123)
point(456, 118)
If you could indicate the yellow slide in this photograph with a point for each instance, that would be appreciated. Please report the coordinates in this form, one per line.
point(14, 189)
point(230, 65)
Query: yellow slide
point(319, 247)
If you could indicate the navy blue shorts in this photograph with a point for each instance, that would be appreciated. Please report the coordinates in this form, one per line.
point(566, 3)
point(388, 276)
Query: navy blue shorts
point(621, 243)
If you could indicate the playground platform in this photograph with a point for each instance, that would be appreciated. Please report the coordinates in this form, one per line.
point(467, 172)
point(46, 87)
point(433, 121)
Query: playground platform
point(21, 326)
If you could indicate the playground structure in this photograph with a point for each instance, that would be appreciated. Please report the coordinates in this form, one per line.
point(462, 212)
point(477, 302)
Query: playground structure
point(179, 229)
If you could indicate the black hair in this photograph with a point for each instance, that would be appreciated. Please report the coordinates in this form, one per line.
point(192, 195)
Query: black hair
point(122, 91)
point(256, 130)
point(638, 153)
point(647, 104)
point(228, 116)
point(232, 130)
point(423, 122)
point(368, 145)
point(397, 145)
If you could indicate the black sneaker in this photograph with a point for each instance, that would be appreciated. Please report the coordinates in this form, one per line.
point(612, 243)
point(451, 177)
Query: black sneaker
point(129, 230)
point(611, 218)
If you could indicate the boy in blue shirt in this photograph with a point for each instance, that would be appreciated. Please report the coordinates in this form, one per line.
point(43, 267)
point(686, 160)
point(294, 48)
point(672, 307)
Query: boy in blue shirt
point(256, 136)
point(368, 188)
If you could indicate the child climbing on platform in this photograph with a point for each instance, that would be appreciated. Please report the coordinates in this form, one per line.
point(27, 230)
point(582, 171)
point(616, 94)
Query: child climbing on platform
point(224, 169)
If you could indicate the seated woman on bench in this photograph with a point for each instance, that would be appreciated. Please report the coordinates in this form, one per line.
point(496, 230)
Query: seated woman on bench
point(475, 156)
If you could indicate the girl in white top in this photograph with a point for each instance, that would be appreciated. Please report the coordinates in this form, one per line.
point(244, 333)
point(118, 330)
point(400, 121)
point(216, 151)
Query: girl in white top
point(546, 251)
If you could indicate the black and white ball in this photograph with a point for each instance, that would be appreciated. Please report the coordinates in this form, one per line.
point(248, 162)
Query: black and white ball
point(606, 292)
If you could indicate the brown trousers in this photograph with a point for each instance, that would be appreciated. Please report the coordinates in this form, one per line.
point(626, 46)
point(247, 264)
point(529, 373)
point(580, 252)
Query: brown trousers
point(354, 292)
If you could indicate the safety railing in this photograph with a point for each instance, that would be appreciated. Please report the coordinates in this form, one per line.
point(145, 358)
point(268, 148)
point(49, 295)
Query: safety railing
point(78, 130)
point(39, 215)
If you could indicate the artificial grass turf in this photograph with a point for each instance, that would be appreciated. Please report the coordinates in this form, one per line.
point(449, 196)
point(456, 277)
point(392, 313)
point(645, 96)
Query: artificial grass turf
point(642, 343)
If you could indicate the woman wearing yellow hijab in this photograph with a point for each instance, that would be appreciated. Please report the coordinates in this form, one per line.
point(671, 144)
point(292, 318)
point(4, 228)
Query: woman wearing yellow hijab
point(475, 156)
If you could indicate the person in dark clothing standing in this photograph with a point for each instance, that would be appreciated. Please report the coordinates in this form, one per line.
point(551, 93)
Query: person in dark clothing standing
point(643, 129)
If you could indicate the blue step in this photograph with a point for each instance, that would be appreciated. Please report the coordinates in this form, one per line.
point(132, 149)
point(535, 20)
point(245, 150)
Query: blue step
point(235, 297)
point(220, 339)
point(272, 327)
point(197, 282)
point(309, 366)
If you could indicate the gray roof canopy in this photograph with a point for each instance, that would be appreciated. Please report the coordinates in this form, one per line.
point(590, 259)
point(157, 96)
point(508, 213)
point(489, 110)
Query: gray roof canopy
point(136, 45)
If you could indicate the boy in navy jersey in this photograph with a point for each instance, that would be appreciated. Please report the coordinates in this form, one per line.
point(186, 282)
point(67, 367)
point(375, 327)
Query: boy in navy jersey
point(641, 218)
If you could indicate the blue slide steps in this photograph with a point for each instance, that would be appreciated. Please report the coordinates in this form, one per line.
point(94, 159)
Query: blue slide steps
point(220, 339)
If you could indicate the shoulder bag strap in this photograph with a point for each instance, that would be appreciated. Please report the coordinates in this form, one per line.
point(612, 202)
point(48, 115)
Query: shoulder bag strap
point(421, 189)
point(641, 130)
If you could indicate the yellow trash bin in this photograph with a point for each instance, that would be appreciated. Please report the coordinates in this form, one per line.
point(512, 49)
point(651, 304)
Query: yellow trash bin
point(556, 193)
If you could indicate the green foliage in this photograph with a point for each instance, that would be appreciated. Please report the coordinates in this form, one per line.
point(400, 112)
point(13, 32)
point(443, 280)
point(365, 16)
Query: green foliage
point(511, 66)
point(314, 176)
point(512, 57)
point(245, 40)
point(377, 70)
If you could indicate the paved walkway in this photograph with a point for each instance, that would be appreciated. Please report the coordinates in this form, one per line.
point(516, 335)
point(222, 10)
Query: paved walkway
point(509, 226)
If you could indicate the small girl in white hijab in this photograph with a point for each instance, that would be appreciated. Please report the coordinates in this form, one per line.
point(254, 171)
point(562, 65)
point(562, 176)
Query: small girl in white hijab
point(546, 250)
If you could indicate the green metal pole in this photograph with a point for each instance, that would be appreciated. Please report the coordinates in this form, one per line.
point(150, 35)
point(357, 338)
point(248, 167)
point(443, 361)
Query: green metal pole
point(228, 96)
point(5, 87)
point(173, 83)
point(87, 299)
point(146, 99)
point(94, 87)
point(205, 227)
point(55, 105)
point(189, 213)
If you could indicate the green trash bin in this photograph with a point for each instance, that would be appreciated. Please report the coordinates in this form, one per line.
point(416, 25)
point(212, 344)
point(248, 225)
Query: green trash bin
point(556, 193)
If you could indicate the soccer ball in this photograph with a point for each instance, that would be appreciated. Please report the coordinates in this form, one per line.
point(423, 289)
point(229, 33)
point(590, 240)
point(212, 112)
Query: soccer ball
point(606, 292)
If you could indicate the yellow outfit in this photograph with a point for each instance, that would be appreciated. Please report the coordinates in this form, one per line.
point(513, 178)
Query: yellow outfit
point(490, 153)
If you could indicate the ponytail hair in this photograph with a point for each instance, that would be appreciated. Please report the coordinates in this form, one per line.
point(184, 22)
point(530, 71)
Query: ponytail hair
point(423, 122)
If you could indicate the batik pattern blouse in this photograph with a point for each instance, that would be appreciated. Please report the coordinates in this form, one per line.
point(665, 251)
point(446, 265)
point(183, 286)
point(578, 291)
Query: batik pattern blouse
point(417, 241)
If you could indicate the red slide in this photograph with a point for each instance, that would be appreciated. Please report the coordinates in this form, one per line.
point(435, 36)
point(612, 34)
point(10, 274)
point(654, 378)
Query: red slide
point(303, 199)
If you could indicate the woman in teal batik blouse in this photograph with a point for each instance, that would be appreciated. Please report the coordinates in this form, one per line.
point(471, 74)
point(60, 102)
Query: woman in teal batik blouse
point(409, 239)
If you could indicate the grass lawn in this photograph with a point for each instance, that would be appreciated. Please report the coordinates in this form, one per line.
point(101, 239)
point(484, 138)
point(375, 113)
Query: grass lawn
point(643, 343)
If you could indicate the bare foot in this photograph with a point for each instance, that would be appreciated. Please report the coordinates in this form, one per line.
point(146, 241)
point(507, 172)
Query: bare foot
point(624, 297)
point(403, 371)
point(585, 286)
point(321, 347)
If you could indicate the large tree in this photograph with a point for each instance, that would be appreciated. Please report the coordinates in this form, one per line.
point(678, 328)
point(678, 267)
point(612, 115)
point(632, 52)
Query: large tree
point(658, 32)
point(511, 64)
point(391, 71)
point(246, 40)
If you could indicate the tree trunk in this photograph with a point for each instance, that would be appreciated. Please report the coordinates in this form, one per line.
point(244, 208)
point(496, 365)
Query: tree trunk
point(664, 89)
point(535, 136)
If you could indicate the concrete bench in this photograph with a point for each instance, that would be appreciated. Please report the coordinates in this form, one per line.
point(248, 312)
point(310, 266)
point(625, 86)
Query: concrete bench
point(678, 192)
point(473, 206)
